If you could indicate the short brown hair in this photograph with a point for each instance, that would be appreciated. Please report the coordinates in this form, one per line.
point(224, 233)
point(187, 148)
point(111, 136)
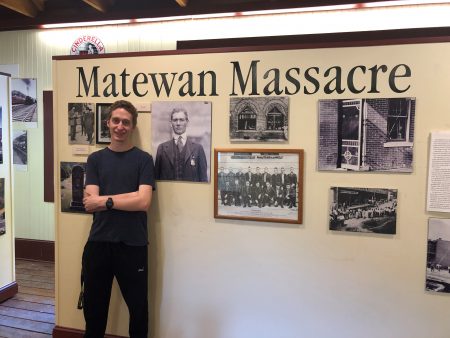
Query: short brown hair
point(128, 106)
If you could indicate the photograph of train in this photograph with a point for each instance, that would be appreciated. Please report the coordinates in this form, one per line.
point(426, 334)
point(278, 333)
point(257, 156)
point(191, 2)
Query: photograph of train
point(20, 149)
point(23, 99)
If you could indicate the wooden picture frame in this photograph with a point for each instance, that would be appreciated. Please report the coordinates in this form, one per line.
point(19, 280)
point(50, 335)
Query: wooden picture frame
point(102, 132)
point(259, 184)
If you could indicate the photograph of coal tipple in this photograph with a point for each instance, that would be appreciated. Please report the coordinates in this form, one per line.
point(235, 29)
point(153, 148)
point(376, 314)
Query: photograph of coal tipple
point(366, 134)
point(363, 210)
point(438, 255)
point(259, 119)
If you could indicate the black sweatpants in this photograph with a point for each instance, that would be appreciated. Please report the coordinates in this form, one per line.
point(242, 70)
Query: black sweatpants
point(102, 261)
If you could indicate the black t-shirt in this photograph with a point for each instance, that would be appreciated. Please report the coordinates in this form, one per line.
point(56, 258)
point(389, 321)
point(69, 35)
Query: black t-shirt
point(119, 173)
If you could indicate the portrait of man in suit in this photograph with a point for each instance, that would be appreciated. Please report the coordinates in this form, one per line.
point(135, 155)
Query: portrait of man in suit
point(182, 157)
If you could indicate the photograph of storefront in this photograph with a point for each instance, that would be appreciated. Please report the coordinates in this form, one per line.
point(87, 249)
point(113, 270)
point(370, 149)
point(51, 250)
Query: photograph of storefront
point(363, 210)
point(366, 134)
point(259, 119)
point(438, 255)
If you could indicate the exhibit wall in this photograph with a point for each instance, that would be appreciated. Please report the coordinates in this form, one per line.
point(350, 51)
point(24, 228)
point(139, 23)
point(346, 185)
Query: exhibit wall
point(35, 221)
point(235, 278)
point(7, 275)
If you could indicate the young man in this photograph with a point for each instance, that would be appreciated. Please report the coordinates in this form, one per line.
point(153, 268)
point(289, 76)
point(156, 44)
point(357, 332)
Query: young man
point(119, 184)
point(180, 158)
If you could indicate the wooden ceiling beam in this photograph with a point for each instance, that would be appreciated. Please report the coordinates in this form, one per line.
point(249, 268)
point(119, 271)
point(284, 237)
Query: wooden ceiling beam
point(100, 5)
point(39, 4)
point(25, 7)
point(182, 3)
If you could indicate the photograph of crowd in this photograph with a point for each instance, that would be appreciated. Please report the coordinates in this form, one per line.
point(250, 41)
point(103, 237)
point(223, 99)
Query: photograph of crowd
point(81, 122)
point(367, 210)
point(438, 255)
point(259, 185)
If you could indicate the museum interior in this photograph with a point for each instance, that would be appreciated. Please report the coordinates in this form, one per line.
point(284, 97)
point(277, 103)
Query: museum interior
point(310, 192)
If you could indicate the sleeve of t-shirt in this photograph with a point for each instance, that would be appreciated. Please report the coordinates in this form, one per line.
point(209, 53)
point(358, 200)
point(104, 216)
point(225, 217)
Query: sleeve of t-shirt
point(147, 171)
point(92, 170)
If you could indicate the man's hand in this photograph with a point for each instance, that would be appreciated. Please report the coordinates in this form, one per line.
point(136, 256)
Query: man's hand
point(93, 203)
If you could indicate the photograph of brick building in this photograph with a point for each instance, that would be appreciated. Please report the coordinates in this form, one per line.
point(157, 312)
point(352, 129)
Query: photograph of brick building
point(259, 119)
point(438, 255)
point(366, 134)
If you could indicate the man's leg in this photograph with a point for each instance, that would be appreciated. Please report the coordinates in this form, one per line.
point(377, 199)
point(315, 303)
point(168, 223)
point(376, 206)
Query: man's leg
point(98, 276)
point(131, 270)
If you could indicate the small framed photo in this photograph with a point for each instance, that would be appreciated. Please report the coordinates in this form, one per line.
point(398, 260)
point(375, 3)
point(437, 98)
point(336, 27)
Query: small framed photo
point(73, 177)
point(101, 118)
point(259, 119)
point(259, 184)
point(366, 210)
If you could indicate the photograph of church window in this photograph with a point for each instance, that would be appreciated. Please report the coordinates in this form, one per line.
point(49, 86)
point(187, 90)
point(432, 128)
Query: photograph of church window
point(366, 134)
point(259, 119)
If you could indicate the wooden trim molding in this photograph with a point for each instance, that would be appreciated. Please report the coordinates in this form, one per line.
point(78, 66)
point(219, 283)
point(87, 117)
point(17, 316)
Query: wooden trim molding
point(323, 40)
point(36, 250)
point(49, 195)
point(8, 291)
point(65, 332)
point(288, 42)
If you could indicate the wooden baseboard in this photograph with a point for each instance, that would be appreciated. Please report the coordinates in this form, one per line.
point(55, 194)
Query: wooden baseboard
point(65, 332)
point(8, 291)
point(34, 249)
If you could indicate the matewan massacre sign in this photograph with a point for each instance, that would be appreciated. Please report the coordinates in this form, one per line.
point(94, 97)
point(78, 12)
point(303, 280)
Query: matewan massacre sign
point(251, 79)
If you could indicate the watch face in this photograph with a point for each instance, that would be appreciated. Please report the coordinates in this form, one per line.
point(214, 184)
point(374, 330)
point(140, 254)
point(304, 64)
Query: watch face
point(109, 203)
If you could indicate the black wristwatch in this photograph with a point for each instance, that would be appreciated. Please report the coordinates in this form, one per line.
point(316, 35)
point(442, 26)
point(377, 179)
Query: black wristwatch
point(109, 203)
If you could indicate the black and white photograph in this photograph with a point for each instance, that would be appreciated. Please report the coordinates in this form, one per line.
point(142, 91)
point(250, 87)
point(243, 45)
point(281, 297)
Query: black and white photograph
point(24, 100)
point(259, 119)
point(73, 178)
point(20, 149)
point(1, 134)
point(181, 140)
point(81, 121)
point(438, 255)
point(101, 120)
point(259, 184)
point(2, 207)
point(368, 210)
point(366, 134)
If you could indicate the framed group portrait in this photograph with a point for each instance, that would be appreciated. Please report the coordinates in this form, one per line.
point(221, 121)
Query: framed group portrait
point(259, 184)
